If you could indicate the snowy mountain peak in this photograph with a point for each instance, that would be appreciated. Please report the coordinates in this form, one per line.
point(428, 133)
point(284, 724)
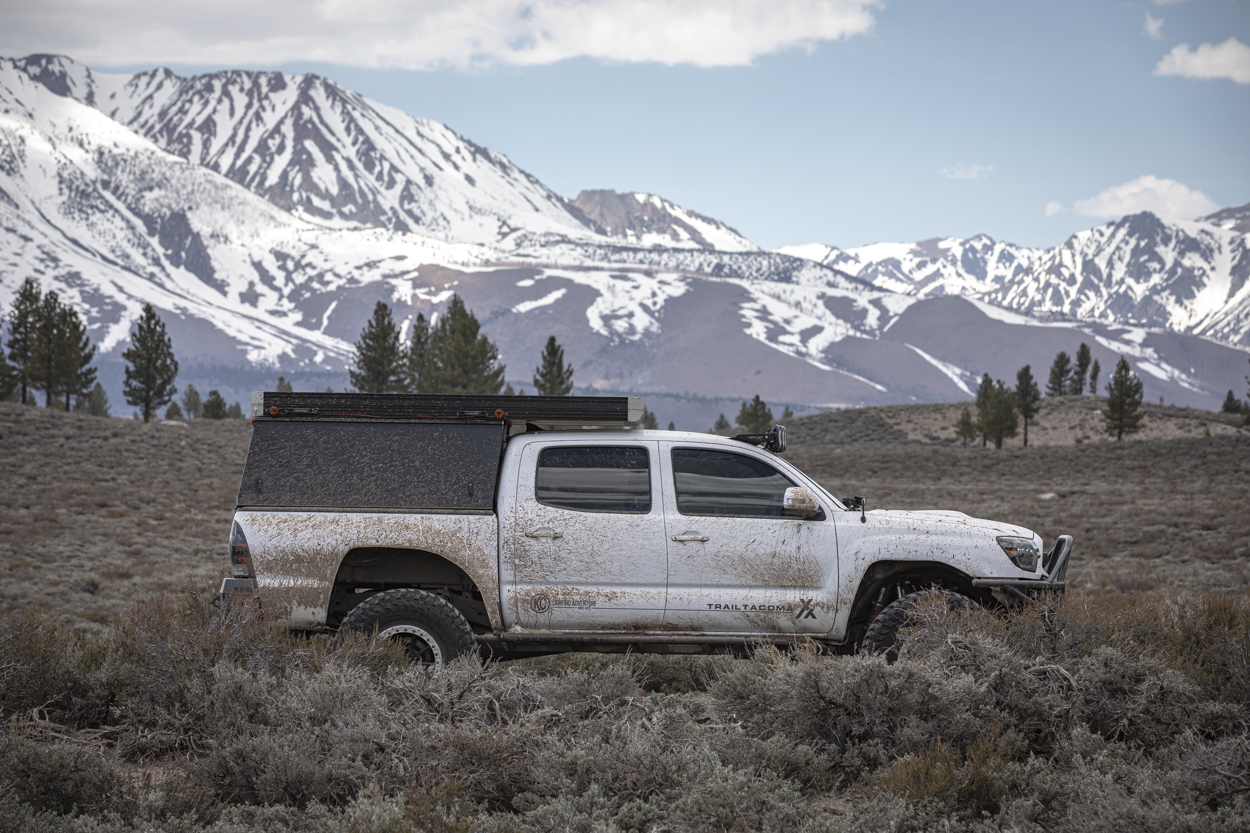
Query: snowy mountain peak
point(1139, 270)
point(1234, 219)
point(650, 220)
point(325, 153)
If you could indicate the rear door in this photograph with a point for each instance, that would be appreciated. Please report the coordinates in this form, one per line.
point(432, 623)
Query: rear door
point(588, 550)
point(736, 564)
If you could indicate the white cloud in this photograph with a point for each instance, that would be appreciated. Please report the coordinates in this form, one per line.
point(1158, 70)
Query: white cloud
point(427, 34)
point(1230, 59)
point(1154, 27)
point(961, 171)
point(1164, 197)
point(1053, 207)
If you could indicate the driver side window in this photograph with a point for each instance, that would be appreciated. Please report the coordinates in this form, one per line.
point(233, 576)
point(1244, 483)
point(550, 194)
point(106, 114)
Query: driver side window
point(720, 484)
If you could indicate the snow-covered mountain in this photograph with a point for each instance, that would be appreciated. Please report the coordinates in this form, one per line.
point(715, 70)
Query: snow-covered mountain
point(324, 153)
point(645, 296)
point(1140, 271)
point(649, 220)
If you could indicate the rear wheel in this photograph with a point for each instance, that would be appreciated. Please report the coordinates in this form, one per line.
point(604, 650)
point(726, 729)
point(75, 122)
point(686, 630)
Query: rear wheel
point(432, 632)
point(882, 634)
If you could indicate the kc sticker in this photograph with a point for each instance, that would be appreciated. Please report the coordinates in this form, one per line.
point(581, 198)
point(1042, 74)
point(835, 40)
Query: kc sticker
point(541, 603)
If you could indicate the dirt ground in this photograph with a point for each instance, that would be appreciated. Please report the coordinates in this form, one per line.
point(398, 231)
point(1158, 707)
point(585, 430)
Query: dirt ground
point(96, 513)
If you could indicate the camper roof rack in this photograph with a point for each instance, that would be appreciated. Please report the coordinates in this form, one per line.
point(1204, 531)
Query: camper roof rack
point(539, 411)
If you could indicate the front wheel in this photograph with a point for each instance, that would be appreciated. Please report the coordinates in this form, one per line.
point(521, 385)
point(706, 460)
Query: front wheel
point(882, 634)
point(432, 632)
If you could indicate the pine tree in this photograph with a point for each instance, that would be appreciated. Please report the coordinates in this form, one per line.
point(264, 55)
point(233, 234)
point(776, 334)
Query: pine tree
point(1232, 405)
point(192, 407)
point(460, 359)
point(1094, 370)
point(985, 392)
point(786, 413)
point(508, 391)
point(378, 363)
point(284, 386)
point(22, 326)
point(649, 421)
point(1124, 395)
point(8, 375)
point(215, 406)
point(553, 378)
point(672, 426)
point(95, 403)
point(1028, 398)
point(755, 416)
point(1076, 384)
point(173, 411)
point(150, 365)
point(42, 367)
point(74, 375)
point(235, 411)
point(417, 356)
point(1060, 371)
point(965, 428)
point(1001, 419)
point(720, 426)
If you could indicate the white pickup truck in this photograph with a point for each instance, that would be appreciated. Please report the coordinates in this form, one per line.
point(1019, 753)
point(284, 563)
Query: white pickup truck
point(516, 526)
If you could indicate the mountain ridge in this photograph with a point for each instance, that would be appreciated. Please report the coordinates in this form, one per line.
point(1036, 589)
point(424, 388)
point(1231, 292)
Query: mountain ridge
point(1140, 270)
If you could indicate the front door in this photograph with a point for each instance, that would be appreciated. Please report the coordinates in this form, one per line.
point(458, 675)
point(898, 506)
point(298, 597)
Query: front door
point(735, 563)
point(588, 549)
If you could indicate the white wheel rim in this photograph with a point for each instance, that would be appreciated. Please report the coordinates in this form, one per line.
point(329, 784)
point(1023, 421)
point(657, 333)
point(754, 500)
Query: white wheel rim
point(419, 633)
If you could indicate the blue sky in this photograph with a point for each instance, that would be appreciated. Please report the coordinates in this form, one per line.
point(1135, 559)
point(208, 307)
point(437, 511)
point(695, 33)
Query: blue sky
point(929, 119)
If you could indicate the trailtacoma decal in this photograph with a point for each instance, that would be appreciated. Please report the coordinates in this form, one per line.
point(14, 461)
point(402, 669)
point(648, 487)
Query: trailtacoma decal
point(777, 608)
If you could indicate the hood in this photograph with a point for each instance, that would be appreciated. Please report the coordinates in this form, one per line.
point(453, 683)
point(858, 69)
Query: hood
point(917, 519)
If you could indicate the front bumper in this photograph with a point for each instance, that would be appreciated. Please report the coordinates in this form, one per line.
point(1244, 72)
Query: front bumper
point(1054, 566)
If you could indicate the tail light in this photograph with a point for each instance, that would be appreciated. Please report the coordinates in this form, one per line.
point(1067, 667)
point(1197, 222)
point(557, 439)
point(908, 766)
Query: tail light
point(240, 555)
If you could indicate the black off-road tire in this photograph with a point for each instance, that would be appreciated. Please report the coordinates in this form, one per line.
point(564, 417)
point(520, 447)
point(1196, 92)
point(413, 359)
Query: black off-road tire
point(433, 632)
point(882, 634)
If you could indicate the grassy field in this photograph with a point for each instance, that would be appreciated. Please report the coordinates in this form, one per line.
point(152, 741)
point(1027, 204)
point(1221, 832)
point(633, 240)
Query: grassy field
point(98, 513)
point(129, 704)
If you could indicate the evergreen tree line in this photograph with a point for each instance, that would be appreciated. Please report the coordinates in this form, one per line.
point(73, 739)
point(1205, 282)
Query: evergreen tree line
point(1233, 405)
point(1000, 409)
point(47, 350)
point(450, 356)
point(213, 407)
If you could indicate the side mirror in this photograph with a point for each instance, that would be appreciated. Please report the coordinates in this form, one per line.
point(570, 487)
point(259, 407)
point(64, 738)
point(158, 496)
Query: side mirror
point(800, 501)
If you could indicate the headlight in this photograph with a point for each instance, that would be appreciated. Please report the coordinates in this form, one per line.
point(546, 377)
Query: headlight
point(1022, 551)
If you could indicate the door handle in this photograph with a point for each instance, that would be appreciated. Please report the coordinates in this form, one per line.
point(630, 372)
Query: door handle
point(690, 535)
point(544, 532)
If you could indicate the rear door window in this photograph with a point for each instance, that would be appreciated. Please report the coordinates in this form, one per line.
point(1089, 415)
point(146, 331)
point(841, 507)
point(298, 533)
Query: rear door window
point(721, 484)
point(595, 479)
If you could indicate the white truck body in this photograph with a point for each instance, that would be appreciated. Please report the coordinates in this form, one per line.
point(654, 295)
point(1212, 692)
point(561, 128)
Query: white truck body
point(689, 549)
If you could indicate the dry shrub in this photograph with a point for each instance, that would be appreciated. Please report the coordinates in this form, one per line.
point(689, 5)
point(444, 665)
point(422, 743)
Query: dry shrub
point(676, 673)
point(59, 776)
point(45, 666)
point(970, 784)
point(861, 709)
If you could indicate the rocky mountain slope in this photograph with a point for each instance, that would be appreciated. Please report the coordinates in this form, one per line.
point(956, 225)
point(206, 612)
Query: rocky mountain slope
point(1140, 271)
point(646, 296)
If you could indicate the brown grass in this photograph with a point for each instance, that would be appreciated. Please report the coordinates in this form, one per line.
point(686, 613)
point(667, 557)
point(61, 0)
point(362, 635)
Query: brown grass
point(96, 513)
